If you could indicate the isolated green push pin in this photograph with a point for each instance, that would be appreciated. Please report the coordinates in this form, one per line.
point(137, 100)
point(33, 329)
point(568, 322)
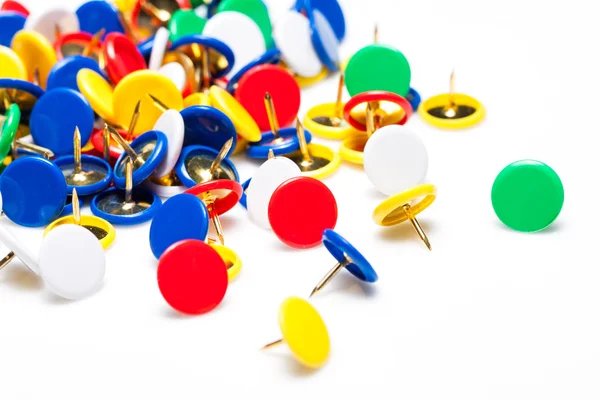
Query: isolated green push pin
point(185, 23)
point(256, 10)
point(8, 130)
point(527, 196)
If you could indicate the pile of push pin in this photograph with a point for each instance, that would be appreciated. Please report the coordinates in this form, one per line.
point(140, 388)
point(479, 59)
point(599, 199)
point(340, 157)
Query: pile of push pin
point(133, 102)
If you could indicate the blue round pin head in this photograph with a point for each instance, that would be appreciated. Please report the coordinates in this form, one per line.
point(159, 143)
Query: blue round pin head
point(10, 23)
point(212, 8)
point(68, 209)
point(95, 174)
point(56, 115)
point(26, 94)
point(145, 47)
point(330, 9)
point(193, 166)
point(324, 40)
point(288, 144)
point(272, 56)
point(243, 196)
point(210, 43)
point(33, 190)
point(151, 148)
point(95, 15)
point(347, 254)
point(414, 98)
point(181, 217)
point(64, 72)
point(119, 208)
point(207, 126)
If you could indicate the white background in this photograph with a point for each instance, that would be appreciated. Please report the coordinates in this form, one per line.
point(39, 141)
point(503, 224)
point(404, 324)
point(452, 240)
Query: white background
point(489, 314)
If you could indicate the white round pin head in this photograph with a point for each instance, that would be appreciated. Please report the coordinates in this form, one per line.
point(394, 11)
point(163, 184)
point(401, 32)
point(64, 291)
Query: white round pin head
point(19, 249)
point(53, 22)
point(240, 33)
point(159, 47)
point(164, 191)
point(292, 35)
point(395, 159)
point(176, 74)
point(269, 176)
point(72, 262)
point(171, 124)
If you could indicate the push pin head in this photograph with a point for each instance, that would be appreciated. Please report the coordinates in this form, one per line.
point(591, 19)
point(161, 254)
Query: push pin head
point(243, 122)
point(17, 249)
point(202, 49)
point(380, 109)
point(207, 126)
point(200, 164)
point(8, 130)
point(37, 54)
point(452, 110)
point(231, 260)
point(20, 92)
point(304, 331)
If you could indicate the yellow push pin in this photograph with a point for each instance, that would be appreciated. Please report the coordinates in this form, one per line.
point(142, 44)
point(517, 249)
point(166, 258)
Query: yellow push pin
point(304, 331)
point(406, 206)
point(452, 110)
point(231, 259)
point(315, 160)
point(11, 65)
point(327, 120)
point(243, 122)
point(103, 230)
point(98, 92)
point(36, 53)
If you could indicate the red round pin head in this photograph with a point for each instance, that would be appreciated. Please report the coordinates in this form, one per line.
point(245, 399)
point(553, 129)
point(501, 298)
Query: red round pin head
point(222, 194)
point(282, 87)
point(122, 56)
point(192, 277)
point(376, 96)
point(15, 6)
point(300, 210)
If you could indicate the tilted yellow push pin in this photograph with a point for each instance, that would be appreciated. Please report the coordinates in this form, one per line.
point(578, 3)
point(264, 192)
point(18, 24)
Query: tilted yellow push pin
point(304, 332)
point(103, 230)
point(314, 160)
point(452, 110)
point(406, 206)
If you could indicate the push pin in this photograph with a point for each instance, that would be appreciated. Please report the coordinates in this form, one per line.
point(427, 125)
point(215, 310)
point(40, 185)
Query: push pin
point(11, 65)
point(146, 153)
point(102, 230)
point(219, 197)
point(200, 164)
point(243, 122)
point(314, 160)
point(230, 258)
point(304, 331)
point(122, 57)
point(149, 15)
point(8, 130)
point(452, 110)
point(348, 257)
point(207, 126)
point(192, 277)
point(53, 23)
point(271, 56)
point(20, 92)
point(68, 209)
point(128, 207)
point(185, 23)
point(19, 146)
point(86, 173)
point(406, 206)
point(280, 141)
point(37, 54)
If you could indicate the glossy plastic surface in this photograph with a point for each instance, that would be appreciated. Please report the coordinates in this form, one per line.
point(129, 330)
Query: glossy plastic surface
point(152, 142)
point(207, 126)
point(344, 252)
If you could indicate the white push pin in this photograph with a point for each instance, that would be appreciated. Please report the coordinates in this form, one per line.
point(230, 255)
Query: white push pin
point(269, 176)
point(72, 262)
point(292, 35)
point(176, 74)
point(159, 48)
point(240, 33)
point(395, 159)
point(17, 249)
point(53, 23)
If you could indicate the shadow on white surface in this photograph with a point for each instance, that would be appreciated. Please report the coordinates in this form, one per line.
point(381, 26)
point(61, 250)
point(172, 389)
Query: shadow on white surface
point(289, 364)
point(555, 227)
point(21, 278)
point(405, 231)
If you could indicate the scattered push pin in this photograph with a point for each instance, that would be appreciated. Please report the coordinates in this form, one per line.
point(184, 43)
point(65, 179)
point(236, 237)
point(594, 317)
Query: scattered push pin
point(304, 331)
point(207, 126)
point(8, 130)
point(527, 196)
point(102, 230)
point(243, 122)
point(37, 55)
point(271, 56)
point(17, 249)
point(348, 257)
point(20, 92)
point(452, 110)
point(126, 207)
point(232, 261)
point(86, 173)
point(20, 146)
point(406, 206)
point(314, 160)
point(200, 164)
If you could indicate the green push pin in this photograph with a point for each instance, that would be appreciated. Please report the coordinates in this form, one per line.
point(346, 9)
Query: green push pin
point(527, 196)
point(9, 129)
point(185, 23)
point(255, 10)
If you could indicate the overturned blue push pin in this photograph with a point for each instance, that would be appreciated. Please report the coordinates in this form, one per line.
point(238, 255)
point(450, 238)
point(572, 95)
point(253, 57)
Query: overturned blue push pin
point(199, 164)
point(207, 126)
point(64, 72)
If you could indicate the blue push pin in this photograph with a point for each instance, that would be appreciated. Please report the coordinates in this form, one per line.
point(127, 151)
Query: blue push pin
point(182, 217)
point(146, 152)
point(324, 40)
point(348, 257)
point(21, 92)
point(207, 126)
point(243, 196)
point(64, 72)
point(206, 43)
point(414, 98)
point(200, 164)
point(55, 116)
point(99, 14)
point(272, 56)
point(279, 141)
point(126, 207)
point(330, 9)
point(33, 190)
point(87, 174)
point(10, 24)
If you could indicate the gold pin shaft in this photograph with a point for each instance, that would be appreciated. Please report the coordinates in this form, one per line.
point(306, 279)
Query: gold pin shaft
point(272, 115)
point(416, 225)
point(7, 259)
point(273, 344)
point(330, 275)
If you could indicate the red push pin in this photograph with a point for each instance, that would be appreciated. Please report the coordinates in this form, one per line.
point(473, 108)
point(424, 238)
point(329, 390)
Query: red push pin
point(121, 56)
point(15, 6)
point(192, 277)
point(300, 210)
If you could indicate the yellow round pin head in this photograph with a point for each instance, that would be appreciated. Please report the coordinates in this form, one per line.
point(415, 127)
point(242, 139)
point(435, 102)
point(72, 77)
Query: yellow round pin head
point(231, 259)
point(406, 206)
point(98, 92)
point(243, 122)
point(36, 53)
point(304, 332)
point(305, 82)
point(353, 147)
point(452, 110)
point(11, 65)
point(154, 92)
point(196, 99)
